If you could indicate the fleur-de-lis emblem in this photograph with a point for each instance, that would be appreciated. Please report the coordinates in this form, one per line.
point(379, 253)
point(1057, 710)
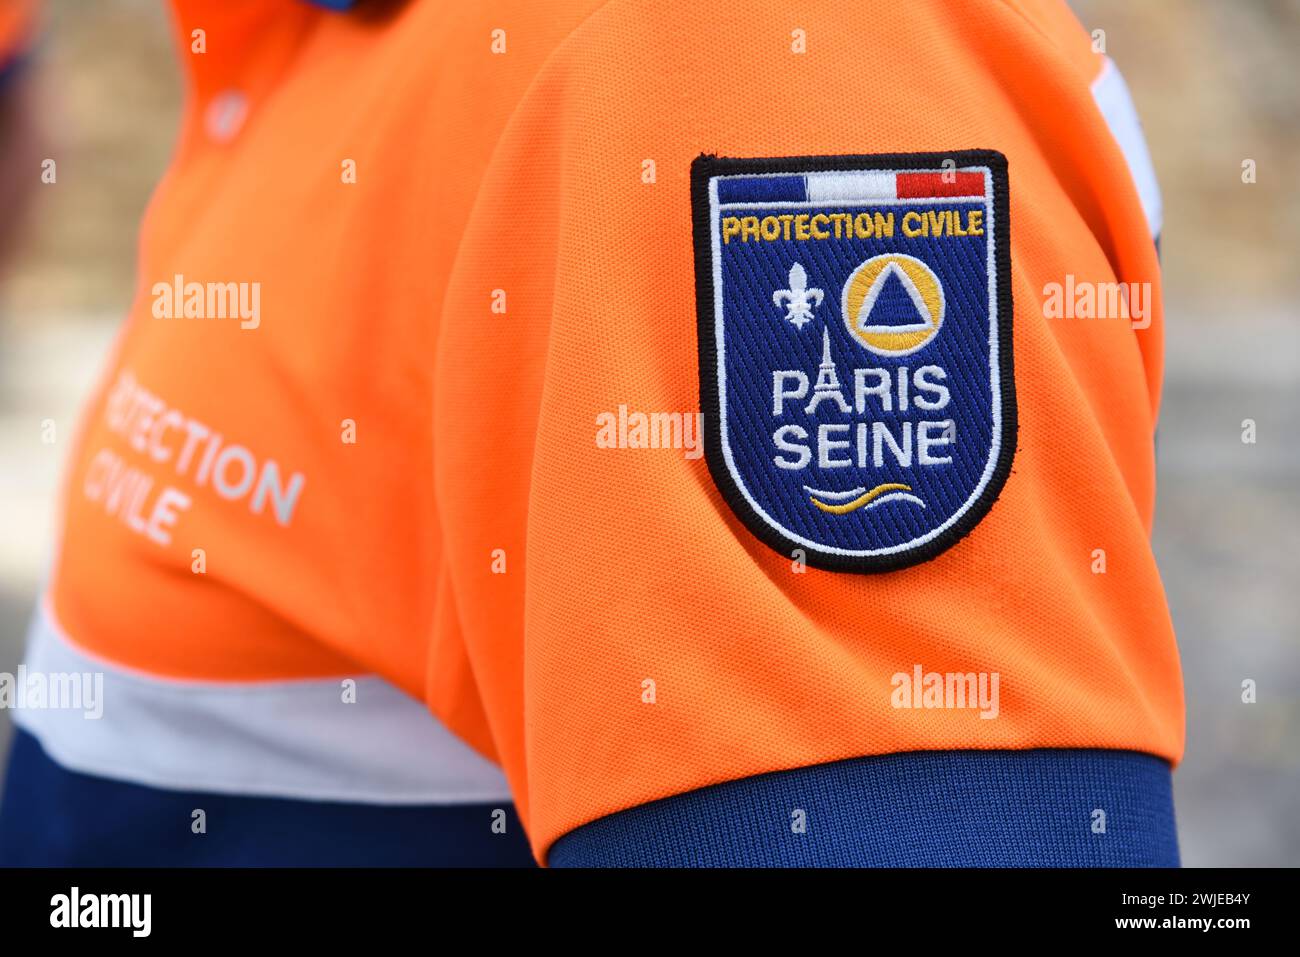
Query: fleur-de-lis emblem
point(799, 301)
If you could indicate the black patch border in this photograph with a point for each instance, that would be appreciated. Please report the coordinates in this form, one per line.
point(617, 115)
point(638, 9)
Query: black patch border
point(708, 165)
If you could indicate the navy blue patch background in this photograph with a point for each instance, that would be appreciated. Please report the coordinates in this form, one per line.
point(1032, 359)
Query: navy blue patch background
point(758, 339)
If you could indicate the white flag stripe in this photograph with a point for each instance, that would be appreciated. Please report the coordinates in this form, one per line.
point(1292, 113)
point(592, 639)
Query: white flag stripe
point(864, 184)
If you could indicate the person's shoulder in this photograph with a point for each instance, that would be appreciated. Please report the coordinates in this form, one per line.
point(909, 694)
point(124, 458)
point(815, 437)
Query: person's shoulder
point(483, 36)
point(757, 38)
point(1082, 50)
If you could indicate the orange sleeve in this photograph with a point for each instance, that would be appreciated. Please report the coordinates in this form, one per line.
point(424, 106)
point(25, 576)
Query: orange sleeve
point(630, 638)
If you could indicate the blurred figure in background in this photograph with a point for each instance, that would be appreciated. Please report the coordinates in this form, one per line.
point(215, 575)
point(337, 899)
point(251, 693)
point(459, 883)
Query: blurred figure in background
point(19, 155)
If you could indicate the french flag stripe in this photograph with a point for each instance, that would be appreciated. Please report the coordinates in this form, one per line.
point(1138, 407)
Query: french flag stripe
point(761, 189)
point(916, 185)
point(861, 185)
point(855, 186)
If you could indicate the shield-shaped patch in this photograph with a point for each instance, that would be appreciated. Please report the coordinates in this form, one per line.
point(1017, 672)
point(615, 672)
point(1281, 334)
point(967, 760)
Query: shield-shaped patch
point(855, 349)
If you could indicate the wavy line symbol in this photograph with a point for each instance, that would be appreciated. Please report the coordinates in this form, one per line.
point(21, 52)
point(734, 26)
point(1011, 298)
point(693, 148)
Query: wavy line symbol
point(862, 497)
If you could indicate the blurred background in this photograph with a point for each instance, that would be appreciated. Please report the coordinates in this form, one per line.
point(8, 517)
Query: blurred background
point(1215, 83)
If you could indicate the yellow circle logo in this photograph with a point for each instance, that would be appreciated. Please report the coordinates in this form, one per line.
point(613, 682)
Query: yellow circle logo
point(893, 304)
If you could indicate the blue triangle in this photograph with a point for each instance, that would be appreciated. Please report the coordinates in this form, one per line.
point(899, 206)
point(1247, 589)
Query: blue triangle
point(894, 307)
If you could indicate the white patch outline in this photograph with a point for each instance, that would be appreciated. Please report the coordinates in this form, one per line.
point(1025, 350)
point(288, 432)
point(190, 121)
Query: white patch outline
point(995, 381)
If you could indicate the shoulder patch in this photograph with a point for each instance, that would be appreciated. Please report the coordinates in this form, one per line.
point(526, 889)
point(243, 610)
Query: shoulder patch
point(856, 373)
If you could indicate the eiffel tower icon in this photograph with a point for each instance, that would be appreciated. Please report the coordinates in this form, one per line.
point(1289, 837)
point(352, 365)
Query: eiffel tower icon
point(828, 380)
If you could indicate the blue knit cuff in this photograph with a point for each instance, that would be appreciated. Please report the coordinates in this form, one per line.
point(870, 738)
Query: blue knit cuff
point(1043, 808)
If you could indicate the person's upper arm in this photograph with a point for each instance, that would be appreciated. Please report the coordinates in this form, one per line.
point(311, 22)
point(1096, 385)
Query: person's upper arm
point(665, 680)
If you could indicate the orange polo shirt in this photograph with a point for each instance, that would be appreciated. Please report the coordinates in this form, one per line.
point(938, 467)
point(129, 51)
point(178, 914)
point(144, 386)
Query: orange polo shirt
point(409, 270)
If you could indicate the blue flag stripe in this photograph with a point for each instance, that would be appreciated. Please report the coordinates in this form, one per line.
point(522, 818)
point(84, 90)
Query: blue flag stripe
point(762, 189)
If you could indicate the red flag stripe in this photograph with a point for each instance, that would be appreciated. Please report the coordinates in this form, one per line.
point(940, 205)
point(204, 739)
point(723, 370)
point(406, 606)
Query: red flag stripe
point(912, 185)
